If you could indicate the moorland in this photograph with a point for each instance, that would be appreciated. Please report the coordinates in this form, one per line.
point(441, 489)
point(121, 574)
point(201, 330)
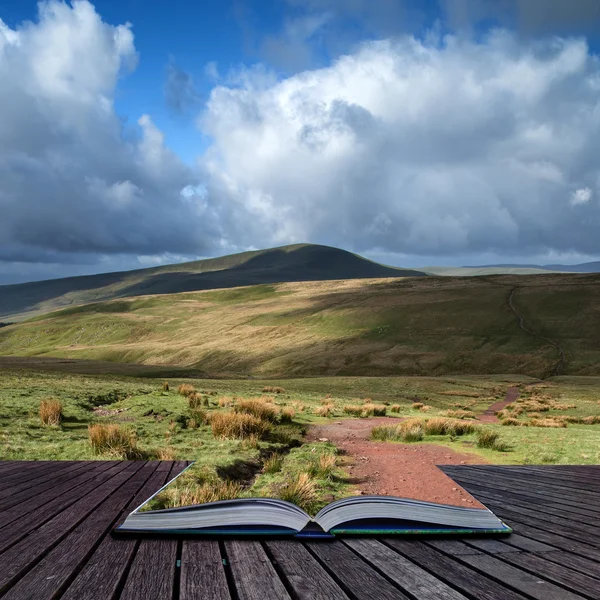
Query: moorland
point(503, 368)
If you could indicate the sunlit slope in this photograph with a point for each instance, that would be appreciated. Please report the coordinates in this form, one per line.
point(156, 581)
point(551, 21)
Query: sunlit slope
point(300, 262)
point(424, 326)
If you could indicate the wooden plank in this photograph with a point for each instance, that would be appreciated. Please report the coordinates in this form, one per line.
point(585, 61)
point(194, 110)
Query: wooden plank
point(145, 580)
point(357, 577)
point(533, 502)
point(7, 495)
point(576, 563)
point(302, 571)
point(584, 499)
point(566, 480)
point(58, 566)
point(454, 573)
point(530, 495)
point(529, 584)
point(579, 583)
point(68, 487)
point(103, 573)
point(202, 571)
point(524, 543)
point(19, 528)
point(410, 577)
point(161, 576)
point(33, 469)
point(22, 557)
point(253, 574)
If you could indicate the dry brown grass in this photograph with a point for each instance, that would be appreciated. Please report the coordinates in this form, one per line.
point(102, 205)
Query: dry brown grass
point(273, 463)
point(301, 491)
point(273, 390)
point(262, 408)
point(425, 408)
point(373, 410)
point(196, 400)
point(417, 405)
point(166, 453)
point(185, 389)
point(225, 401)
point(592, 420)
point(287, 415)
point(165, 386)
point(199, 494)
point(324, 466)
point(549, 422)
point(460, 414)
point(508, 422)
point(51, 411)
point(352, 409)
point(396, 408)
point(446, 426)
point(234, 425)
point(113, 440)
point(408, 431)
point(324, 411)
point(199, 415)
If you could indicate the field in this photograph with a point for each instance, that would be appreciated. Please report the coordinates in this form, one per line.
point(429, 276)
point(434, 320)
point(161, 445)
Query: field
point(375, 327)
point(157, 423)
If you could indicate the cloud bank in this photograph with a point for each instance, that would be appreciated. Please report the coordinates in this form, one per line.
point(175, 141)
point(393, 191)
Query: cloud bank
point(443, 146)
point(74, 180)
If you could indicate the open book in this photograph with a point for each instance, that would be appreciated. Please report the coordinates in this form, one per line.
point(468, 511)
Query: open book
point(367, 515)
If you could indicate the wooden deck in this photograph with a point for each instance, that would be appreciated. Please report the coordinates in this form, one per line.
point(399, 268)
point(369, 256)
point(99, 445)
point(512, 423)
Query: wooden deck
point(55, 519)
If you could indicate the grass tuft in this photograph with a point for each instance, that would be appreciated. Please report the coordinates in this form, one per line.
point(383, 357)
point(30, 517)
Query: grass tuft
point(238, 426)
point(273, 463)
point(51, 411)
point(301, 491)
point(165, 386)
point(260, 408)
point(113, 440)
point(185, 389)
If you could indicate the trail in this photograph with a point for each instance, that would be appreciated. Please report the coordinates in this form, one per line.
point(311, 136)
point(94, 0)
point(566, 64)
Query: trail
point(561, 363)
point(390, 468)
point(489, 416)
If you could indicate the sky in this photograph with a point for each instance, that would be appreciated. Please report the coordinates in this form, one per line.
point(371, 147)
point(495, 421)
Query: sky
point(413, 132)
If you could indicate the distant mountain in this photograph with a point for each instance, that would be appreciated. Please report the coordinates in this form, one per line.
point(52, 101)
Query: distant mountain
point(512, 269)
point(300, 262)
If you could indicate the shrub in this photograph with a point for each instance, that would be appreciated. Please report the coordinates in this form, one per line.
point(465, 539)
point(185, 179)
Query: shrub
point(287, 415)
point(51, 411)
point(258, 407)
point(165, 386)
point(417, 405)
point(273, 463)
point(301, 491)
point(194, 400)
point(113, 440)
point(273, 390)
point(396, 408)
point(233, 425)
point(185, 389)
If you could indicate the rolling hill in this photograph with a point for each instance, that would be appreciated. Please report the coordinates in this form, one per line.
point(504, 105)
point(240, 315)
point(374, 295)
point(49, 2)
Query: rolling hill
point(391, 326)
point(512, 269)
point(300, 262)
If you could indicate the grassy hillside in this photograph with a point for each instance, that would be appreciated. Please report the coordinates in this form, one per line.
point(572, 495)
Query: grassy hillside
point(300, 262)
point(417, 326)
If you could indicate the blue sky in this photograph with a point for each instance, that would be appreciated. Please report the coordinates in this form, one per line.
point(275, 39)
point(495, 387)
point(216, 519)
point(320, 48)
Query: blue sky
point(414, 132)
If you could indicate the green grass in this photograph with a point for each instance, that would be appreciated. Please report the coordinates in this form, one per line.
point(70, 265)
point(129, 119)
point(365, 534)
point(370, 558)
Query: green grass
point(412, 326)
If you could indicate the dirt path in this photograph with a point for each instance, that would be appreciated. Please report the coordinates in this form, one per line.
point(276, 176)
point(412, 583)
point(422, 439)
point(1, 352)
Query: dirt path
point(489, 416)
point(407, 470)
point(561, 353)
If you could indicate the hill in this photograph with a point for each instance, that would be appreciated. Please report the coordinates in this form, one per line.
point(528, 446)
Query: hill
point(392, 326)
point(512, 269)
point(300, 262)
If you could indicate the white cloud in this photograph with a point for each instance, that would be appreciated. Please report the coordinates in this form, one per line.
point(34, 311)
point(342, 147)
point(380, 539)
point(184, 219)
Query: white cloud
point(581, 196)
point(73, 181)
point(449, 146)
